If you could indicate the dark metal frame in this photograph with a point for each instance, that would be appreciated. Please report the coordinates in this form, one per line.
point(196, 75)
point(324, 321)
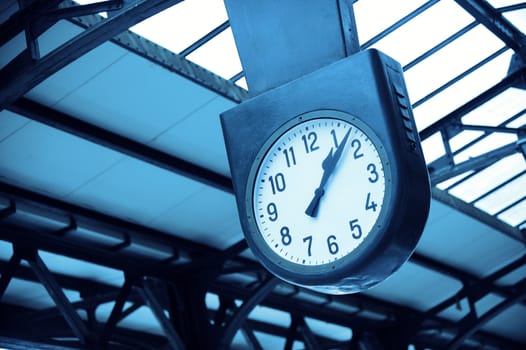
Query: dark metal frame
point(167, 284)
point(148, 281)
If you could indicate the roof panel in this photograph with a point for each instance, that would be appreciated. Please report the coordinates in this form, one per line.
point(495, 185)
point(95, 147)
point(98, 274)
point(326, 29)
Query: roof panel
point(135, 98)
point(451, 61)
point(405, 285)
point(207, 216)
point(488, 178)
point(516, 215)
point(451, 96)
point(509, 323)
point(219, 55)
point(198, 136)
point(424, 31)
point(459, 241)
point(188, 21)
point(56, 35)
point(49, 160)
point(517, 18)
point(498, 109)
point(391, 12)
point(503, 197)
point(134, 190)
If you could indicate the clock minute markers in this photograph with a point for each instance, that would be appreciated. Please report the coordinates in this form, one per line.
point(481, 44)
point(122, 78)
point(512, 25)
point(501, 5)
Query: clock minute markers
point(328, 165)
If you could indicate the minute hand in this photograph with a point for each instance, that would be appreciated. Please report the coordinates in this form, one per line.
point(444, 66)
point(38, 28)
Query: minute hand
point(328, 165)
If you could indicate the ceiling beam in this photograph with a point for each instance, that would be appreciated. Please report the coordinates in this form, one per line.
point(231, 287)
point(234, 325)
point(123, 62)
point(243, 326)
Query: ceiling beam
point(492, 19)
point(119, 143)
point(24, 73)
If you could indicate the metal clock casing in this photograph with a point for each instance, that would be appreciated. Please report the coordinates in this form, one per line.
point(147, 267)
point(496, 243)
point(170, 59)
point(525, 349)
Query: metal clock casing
point(368, 87)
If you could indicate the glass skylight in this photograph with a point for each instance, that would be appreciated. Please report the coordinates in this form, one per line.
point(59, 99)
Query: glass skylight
point(424, 31)
point(488, 178)
point(181, 25)
point(392, 11)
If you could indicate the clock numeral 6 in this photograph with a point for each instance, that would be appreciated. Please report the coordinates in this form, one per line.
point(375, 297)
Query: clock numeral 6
point(272, 211)
point(277, 183)
point(286, 238)
point(356, 229)
point(333, 246)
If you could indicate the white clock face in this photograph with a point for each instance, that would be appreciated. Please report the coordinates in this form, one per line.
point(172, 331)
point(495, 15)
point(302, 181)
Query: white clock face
point(319, 190)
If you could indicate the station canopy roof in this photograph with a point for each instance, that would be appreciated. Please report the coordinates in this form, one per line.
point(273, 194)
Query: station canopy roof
point(112, 161)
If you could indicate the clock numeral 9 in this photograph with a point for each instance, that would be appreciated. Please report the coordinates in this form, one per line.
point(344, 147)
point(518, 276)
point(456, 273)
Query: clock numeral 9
point(277, 183)
point(272, 211)
point(312, 138)
point(286, 238)
point(356, 229)
point(333, 246)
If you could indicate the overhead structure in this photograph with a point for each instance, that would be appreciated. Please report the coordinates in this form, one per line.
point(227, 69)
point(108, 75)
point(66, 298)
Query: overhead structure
point(118, 226)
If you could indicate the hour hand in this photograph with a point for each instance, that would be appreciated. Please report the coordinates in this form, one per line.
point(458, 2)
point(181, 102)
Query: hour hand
point(328, 165)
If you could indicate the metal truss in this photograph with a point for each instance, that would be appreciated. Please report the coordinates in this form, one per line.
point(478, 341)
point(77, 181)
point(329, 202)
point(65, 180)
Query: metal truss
point(29, 69)
point(174, 289)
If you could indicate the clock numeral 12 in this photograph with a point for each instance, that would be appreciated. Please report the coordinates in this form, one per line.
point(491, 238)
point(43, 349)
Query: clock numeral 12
point(312, 137)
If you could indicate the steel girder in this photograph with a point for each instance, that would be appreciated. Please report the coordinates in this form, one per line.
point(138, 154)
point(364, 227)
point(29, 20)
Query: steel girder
point(28, 69)
point(185, 301)
point(497, 24)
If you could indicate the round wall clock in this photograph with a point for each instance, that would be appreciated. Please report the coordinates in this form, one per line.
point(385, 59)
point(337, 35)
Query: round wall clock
point(318, 200)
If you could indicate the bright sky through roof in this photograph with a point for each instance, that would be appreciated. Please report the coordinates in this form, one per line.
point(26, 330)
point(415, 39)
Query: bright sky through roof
point(183, 24)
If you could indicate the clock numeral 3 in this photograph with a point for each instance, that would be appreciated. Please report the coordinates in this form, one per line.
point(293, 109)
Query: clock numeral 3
point(374, 174)
point(356, 229)
point(333, 246)
point(277, 183)
point(286, 238)
point(309, 141)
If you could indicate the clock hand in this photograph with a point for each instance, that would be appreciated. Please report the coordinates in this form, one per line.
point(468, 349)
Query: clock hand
point(328, 165)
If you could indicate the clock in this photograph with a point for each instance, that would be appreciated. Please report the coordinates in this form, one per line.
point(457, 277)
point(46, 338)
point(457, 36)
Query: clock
point(316, 193)
point(330, 180)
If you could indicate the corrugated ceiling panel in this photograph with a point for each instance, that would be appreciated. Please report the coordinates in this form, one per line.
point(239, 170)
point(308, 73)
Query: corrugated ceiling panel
point(460, 241)
point(134, 190)
point(135, 98)
point(405, 287)
point(208, 216)
point(198, 136)
point(51, 161)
